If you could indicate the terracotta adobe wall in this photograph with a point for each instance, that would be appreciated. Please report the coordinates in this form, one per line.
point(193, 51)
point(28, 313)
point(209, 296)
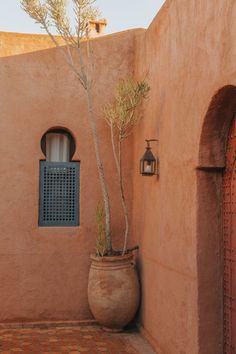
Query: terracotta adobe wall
point(44, 270)
point(187, 55)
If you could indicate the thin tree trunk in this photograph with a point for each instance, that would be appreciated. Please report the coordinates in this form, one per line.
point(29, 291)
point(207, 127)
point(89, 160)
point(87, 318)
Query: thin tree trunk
point(92, 121)
point(85, 81)
point(100, 172)
point(123, 200)
point(125, 209)
point(100, 167)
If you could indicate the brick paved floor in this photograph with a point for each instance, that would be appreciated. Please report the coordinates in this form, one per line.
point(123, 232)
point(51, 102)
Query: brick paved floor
point(71, 340)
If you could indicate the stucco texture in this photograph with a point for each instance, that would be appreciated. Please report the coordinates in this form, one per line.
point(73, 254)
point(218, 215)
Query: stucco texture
point(187, 55)
point(44, 270)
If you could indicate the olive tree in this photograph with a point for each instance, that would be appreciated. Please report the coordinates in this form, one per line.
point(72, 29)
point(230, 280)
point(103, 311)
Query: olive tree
point(53, 15)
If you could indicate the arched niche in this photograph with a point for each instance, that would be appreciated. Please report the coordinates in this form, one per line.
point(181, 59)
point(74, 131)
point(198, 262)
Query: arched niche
point(215, 128)
point(210, 170)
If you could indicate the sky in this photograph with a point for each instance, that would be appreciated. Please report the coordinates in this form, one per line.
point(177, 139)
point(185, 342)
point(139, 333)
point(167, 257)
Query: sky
point(120, 14)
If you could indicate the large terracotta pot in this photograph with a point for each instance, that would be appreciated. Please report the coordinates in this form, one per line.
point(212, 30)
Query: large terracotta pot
point(113, 290)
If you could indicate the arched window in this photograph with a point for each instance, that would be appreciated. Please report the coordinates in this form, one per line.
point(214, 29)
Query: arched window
point(59, 180)
point(58, 145)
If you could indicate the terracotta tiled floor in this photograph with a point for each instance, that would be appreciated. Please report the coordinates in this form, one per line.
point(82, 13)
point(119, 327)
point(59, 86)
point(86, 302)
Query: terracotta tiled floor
point(60, 340)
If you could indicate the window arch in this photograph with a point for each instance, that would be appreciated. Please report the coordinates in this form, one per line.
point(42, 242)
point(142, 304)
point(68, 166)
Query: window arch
point(61, 139)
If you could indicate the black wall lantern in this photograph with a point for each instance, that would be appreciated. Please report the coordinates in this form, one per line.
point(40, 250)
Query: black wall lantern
point(148, 163)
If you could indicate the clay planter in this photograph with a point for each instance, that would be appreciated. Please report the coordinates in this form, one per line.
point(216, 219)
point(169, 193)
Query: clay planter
point(113, 290)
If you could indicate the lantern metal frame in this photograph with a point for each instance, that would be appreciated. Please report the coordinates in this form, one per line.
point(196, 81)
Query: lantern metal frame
point(148, 163)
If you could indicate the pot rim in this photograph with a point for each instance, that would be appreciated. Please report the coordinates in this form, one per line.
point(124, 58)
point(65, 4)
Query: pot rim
point(111, 258)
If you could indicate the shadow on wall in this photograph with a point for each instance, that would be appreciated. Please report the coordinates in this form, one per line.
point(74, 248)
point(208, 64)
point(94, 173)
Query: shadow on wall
point(212, 151)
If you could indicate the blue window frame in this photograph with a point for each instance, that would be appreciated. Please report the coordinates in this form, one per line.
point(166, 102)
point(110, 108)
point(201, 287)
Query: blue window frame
point(59, 193)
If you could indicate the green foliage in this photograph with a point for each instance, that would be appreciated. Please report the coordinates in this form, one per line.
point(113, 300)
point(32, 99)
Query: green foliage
point(101, 244)
point(122, 114)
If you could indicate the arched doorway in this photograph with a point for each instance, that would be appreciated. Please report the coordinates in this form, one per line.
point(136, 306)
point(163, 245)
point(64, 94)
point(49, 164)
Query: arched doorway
point(210, 247)
point(229, 233)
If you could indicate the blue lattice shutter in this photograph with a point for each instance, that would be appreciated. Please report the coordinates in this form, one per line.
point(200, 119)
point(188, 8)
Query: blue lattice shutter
point(59, 194)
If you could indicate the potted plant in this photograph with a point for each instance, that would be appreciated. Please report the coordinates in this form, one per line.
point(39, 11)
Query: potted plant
point(121, 116)
point(113, 288)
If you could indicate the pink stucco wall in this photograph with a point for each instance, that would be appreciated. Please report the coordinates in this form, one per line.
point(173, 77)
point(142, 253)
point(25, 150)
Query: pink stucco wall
point(186, 55)
point(44, 271)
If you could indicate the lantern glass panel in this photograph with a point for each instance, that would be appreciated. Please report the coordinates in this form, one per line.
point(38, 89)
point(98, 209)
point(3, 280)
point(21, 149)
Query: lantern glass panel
point(148, 167)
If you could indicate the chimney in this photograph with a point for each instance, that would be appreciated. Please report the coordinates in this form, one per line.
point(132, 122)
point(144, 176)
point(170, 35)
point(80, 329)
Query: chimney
point(96, 28)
